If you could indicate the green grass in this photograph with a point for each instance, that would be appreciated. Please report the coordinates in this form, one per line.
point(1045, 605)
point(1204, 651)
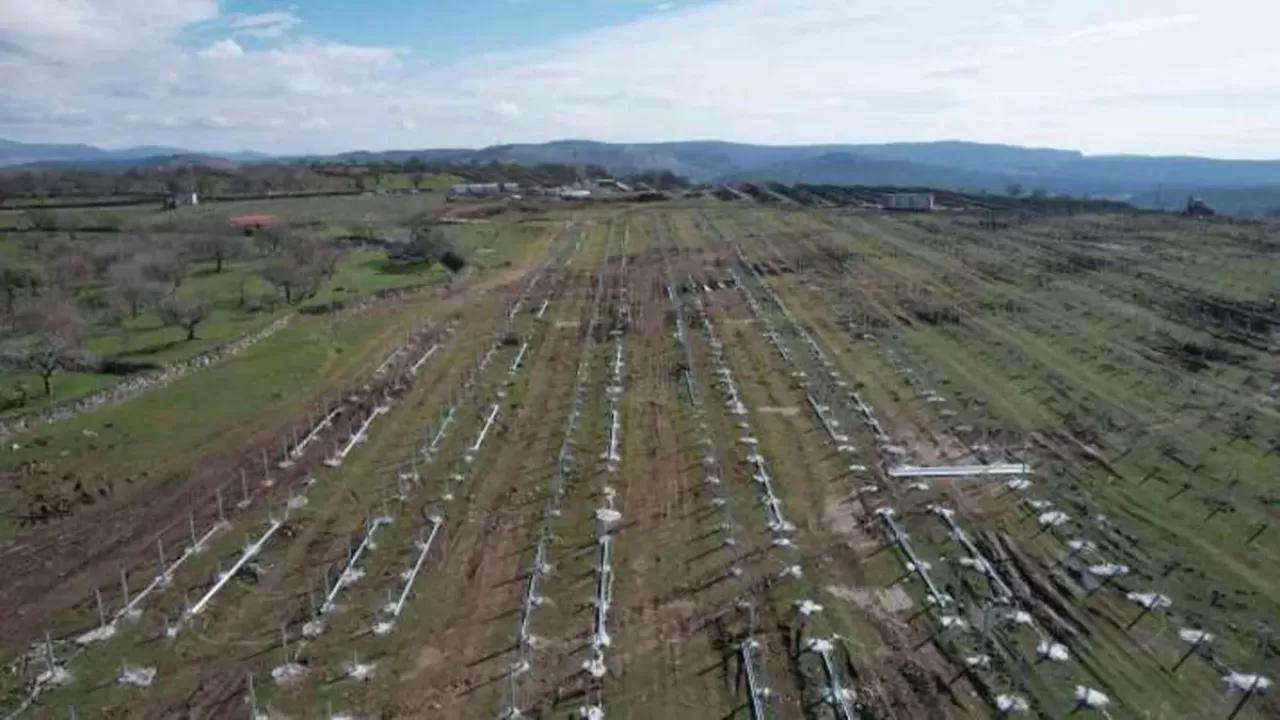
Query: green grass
point(158, 431)
point(242, 301)
point(405, 181)
point(1079, 355)
point(1045, 354)
point(146, 339)
point(338, 215)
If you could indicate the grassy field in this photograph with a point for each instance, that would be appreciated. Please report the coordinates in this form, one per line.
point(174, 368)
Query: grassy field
point(429, 182)
point(242, 301)
point(740, 385)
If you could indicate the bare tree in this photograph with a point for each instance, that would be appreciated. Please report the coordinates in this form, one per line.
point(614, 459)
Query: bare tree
point(297, 280)
point(51, 338)
point(17, 281)
point(428, 244)
point(324, 257)
point(304, 263)
point(43, 220)
point(220, 245)
point(166, 265)
point(243, 288)
point(185, 313)
point(102, 256)
point(271, 239)
point(69, 270)
point(110, 222)
point(129, 283)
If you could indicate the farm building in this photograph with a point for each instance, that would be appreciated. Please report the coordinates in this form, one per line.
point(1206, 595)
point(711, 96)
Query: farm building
point(249, 223)
point(1198, 208)
point(484, 189)
point(909, 201)
point(173, 200)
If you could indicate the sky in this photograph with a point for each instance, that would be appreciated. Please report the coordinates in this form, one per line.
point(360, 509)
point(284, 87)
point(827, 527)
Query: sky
point(1196, 77)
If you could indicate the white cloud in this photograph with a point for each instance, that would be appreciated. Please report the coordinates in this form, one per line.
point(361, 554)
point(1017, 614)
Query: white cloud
point(506, 109)
point(225, 48)
point(80, 30)
point(1123, 29)
point(1095, 74)
point(264, 25)
point(57, 115)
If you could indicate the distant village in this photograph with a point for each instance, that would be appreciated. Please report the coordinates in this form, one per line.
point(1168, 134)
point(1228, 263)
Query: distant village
point(580, 190)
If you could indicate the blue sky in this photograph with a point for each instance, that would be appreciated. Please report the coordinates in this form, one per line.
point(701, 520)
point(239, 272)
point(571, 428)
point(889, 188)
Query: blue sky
point(450, 30)
point(1143, 76)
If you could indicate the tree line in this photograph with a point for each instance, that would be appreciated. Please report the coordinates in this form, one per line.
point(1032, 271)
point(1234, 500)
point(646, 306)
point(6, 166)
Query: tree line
point(49, 302)
point(225, 179)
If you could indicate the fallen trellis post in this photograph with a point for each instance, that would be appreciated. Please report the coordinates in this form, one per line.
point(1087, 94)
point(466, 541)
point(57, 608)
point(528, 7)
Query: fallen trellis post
point(1148, 602)
point(532, 598)
point(417, 365)
point(1003, 593)
point(837, 695)
point(351, 572)
point(916, 565)
point(997, 469)
point(393, 610)
point(430, 451)
point(1197, 639)
point(1249, 684)
point(491, 416)
point(251, 551)
point(299, 447)
point(756, 693)
point(356, 438)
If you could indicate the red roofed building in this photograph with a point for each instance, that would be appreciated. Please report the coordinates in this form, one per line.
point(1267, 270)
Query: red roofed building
point(254, 222)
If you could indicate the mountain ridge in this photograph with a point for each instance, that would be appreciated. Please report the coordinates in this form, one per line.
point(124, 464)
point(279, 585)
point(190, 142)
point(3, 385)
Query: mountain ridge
point(946, 164)
point(17, 154)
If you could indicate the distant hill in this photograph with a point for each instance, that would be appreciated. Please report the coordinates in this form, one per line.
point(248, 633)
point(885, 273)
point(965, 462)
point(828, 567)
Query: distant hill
point(698, 160)
point(982, 157)
point(947, 165)
point(440, 155)
point(19, 153)
point(1256, 201)
point(849, 168)
point(1240, 186)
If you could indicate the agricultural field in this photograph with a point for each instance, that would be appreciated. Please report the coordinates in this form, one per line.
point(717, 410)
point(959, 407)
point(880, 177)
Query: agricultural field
point(690, 460)
point(121, 277)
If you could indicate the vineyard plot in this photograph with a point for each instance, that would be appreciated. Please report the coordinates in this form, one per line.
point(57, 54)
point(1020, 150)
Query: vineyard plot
point(742, 462)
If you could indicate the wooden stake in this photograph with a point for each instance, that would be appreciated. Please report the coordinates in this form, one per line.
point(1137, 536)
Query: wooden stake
point(253, 696)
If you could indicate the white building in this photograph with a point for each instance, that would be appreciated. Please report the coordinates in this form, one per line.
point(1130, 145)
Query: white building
point(909, 201)
point(484, 188)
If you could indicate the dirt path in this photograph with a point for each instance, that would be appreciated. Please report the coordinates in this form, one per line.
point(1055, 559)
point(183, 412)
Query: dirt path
point(479, 584)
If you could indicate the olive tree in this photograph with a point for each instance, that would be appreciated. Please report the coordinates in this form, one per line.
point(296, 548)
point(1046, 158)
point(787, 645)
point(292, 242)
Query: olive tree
point(50, 338)
point(186, 313)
